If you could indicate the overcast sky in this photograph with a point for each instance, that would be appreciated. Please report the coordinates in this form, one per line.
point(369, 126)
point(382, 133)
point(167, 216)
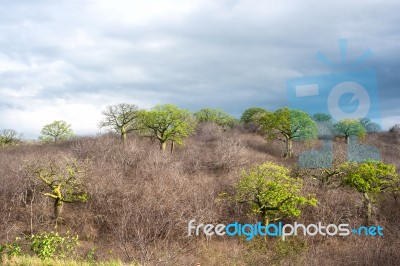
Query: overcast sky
point(67, 60)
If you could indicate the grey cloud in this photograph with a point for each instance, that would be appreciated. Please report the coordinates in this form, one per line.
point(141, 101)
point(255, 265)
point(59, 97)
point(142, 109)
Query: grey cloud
point(229, 54)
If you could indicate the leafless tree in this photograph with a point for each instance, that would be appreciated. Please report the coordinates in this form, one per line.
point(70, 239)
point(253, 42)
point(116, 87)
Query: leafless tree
point(121, 117)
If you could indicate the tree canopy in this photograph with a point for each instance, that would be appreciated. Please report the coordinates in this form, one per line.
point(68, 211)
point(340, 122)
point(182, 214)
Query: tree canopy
point(349, 128)
point(217, 116)
point(369, 178)
point(272, 192)
point(289, 124)
point(321, 117)
point(369, 125)
point(251, 114)
point(56, 131)
point(167, 123)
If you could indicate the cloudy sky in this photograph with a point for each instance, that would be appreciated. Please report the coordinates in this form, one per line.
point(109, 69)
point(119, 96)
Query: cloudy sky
point(67, 60)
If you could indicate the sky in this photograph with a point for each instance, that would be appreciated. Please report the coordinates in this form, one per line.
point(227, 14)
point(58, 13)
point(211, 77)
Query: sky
point(68, 59)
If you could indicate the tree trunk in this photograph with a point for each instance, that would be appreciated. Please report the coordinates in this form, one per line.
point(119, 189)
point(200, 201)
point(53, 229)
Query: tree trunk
point(57, 210)
point(289, 148)
point(367, 208)
point(163, 146)
point(123, 136)
point(347, 139)
point(172, 146)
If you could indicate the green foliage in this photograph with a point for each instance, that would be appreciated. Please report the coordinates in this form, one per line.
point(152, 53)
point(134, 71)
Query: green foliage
point(369, 125)
point(252, 114)
point(321, 117)
point(167, 123)
point(13, 249)
point(219, 117)
point(123, 118)
point(9, 137)
point(349, 128)
point(52, 245)
point(272, 192)
point(369, 177)
point(291, 124)
point(55, 132)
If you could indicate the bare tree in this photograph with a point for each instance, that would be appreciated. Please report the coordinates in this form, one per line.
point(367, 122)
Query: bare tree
point(9, 137)
point(64, 183)
point(121, 117)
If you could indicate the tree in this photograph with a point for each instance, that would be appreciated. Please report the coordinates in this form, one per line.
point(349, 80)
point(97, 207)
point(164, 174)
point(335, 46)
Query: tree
point(64, 184)
point(369, 125)
point(219, 117)
point(9, 137)
point(122, 118)
point(369, 178)
point(395, 129)
point(56, 131)
point(324, 126)
point(291, 124)
point(321, 117)
point(349, 128)
point(167, 123)
point(271, 192)
point(250, 115)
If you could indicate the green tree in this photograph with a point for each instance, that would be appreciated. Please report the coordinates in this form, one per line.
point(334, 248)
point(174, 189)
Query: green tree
point(219, 117)
point(369, 125)
point(271, 192)
point(324, 126)
point(321, 117)
point(349, 128)
point(122, 118)
point(289, 124)
point(56, 131)
point(370, 178)
point(167, 123)
point(251, 114)
point(9, 137)
point(64, 183)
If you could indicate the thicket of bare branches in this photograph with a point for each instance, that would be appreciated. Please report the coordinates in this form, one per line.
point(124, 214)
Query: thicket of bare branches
point(140, 201)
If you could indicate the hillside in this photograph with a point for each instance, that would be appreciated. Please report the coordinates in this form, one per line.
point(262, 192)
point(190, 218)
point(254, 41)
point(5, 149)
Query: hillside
point(140, 201)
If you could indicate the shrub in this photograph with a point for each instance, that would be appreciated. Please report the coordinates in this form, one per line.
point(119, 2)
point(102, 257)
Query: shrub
point(52, 245)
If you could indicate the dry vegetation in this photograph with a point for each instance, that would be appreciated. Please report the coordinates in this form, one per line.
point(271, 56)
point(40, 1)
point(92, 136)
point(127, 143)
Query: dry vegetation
point(140, 201)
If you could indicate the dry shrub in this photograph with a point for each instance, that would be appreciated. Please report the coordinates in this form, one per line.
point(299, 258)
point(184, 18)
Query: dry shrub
point(141, 200)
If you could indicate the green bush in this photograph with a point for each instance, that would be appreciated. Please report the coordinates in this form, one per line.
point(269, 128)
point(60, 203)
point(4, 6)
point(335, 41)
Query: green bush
point(52, 245)
point(13, 249)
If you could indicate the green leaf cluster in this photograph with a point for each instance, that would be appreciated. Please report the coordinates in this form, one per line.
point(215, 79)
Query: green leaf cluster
point(369, 177)
point(272, 192)
point(217, 116)
point(349, 128)
point(52, 245)
point(252, 114)
point(56, 131)
point(292, 124)
point(167, 123)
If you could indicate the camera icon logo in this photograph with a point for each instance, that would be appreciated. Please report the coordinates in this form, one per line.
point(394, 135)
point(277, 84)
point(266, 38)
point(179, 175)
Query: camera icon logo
point(347, 93)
